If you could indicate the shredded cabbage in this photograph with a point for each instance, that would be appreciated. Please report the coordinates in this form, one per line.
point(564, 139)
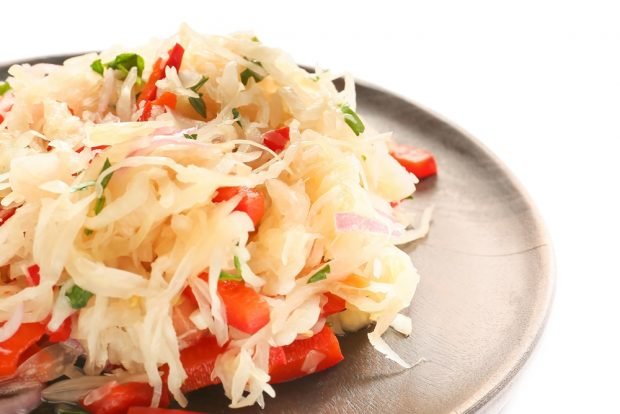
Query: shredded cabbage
point(327, 195)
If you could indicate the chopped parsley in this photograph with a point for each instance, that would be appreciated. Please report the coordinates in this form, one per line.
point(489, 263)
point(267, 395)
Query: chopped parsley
point(97, 66)
point(78, 297)
point(249, 73)
point(191, 136)
point(197, 103)
point(233, 276)
point(4, 88)
point(237, 116)
point(255, 39)
point(352, 119)
point(320, 275)
point(364, 157)
point(100, 202)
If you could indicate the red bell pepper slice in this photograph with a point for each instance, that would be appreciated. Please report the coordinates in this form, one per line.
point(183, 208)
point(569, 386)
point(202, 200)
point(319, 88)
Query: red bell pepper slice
point(166, 99)
point(417, 161)
point(6, 213)
point(146, 111)
point(246, 310)
point(149, 410)
point(333, 305)
point(120, 397)
point(33, 276)
point(62, 333)
point(12, 349)
point(277, 140)
point(285, 363)
point(198, 361)
point(175, 56)
point(252, 202)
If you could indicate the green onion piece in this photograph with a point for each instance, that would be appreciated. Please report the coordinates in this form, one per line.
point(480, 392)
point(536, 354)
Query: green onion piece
point(4, 88)
point(199, 106)
point(352, 119)
point(320, 275)
point(230, 276)
point(237, 263)
point(125, 61)
point(198, 85)
point(97, 66)
point(99, 205)
point(78, 297)
point(191, 136)
point(82, 186)
point(249, 73)
point(107, 178)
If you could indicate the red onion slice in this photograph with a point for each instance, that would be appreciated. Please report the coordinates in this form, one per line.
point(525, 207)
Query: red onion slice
point(22, 403)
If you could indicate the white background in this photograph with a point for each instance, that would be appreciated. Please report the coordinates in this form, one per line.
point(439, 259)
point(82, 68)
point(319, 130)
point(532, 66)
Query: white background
point(537, 81)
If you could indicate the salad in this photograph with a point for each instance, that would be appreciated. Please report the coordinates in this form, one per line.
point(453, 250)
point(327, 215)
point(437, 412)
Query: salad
point(194, 212)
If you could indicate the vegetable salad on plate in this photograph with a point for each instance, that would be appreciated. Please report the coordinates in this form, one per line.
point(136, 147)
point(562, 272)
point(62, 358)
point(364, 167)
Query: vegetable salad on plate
point(194, 212)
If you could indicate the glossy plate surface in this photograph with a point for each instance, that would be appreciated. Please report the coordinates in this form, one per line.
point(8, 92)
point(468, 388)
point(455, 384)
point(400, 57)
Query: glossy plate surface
point(487, 282)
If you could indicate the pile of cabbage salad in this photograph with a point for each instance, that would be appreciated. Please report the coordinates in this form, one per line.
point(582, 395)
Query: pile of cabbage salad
point(197, 211)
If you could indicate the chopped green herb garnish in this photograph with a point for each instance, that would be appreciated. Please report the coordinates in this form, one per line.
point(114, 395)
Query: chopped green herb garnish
point(316, 78)
point(82, 186)
point(352, 119)
point(364, 157)
point(191, 136)
point(125, 61)
point(99, 204)
point(320, 275)
point(230, 276)
point(199, 106)
point(237, 263)
point(88, 232)
point(235, 113)
point(198, 85)
point(255, 39)
point(249, 73)
point(409, 198)
point(107, 178)
point(4, 88)
point(78, 297)
point(97, 66)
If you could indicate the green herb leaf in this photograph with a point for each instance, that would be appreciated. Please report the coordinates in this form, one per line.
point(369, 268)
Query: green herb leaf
point(249, 73)
point(198, 85)
point(88, 232)
point(230, 276)
point(199, 106)
point(236, 116)
point(125, 61)
point(97, 66)
point(352, 119)
point(316, 78)
point(82, 186)
point(237, 263)
point(78, 297)
point(255, 39)
point(106, 180)
point(320, 275)
point(99, 205)
point(4, 88)
point(364, 157)
point(191, 136)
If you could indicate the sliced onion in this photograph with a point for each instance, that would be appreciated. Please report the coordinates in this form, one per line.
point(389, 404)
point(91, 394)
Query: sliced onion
point(22, 403)
point(12, 325)
point(14, 386)
point(73, 390)
point(347, 222)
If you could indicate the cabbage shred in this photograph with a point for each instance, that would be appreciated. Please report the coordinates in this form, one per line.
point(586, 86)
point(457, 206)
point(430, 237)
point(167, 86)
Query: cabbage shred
point(122, 210)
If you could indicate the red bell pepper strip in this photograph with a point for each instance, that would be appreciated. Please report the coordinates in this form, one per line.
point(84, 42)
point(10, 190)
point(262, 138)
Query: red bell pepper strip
point(33, 277)
point(246, 310)
point(277, 139)
point(198, 361)
point(417, 161)
point(149, 410)
point(175, 56)
point(62, 333)
point(120, 397)
point(6, 213)
point(146, 111)
point(252, 202)
point(285, 363)
point(12, 349)
point(333, 305)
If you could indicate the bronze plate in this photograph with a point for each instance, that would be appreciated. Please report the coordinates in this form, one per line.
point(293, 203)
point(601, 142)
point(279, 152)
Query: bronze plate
point(487, 281)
